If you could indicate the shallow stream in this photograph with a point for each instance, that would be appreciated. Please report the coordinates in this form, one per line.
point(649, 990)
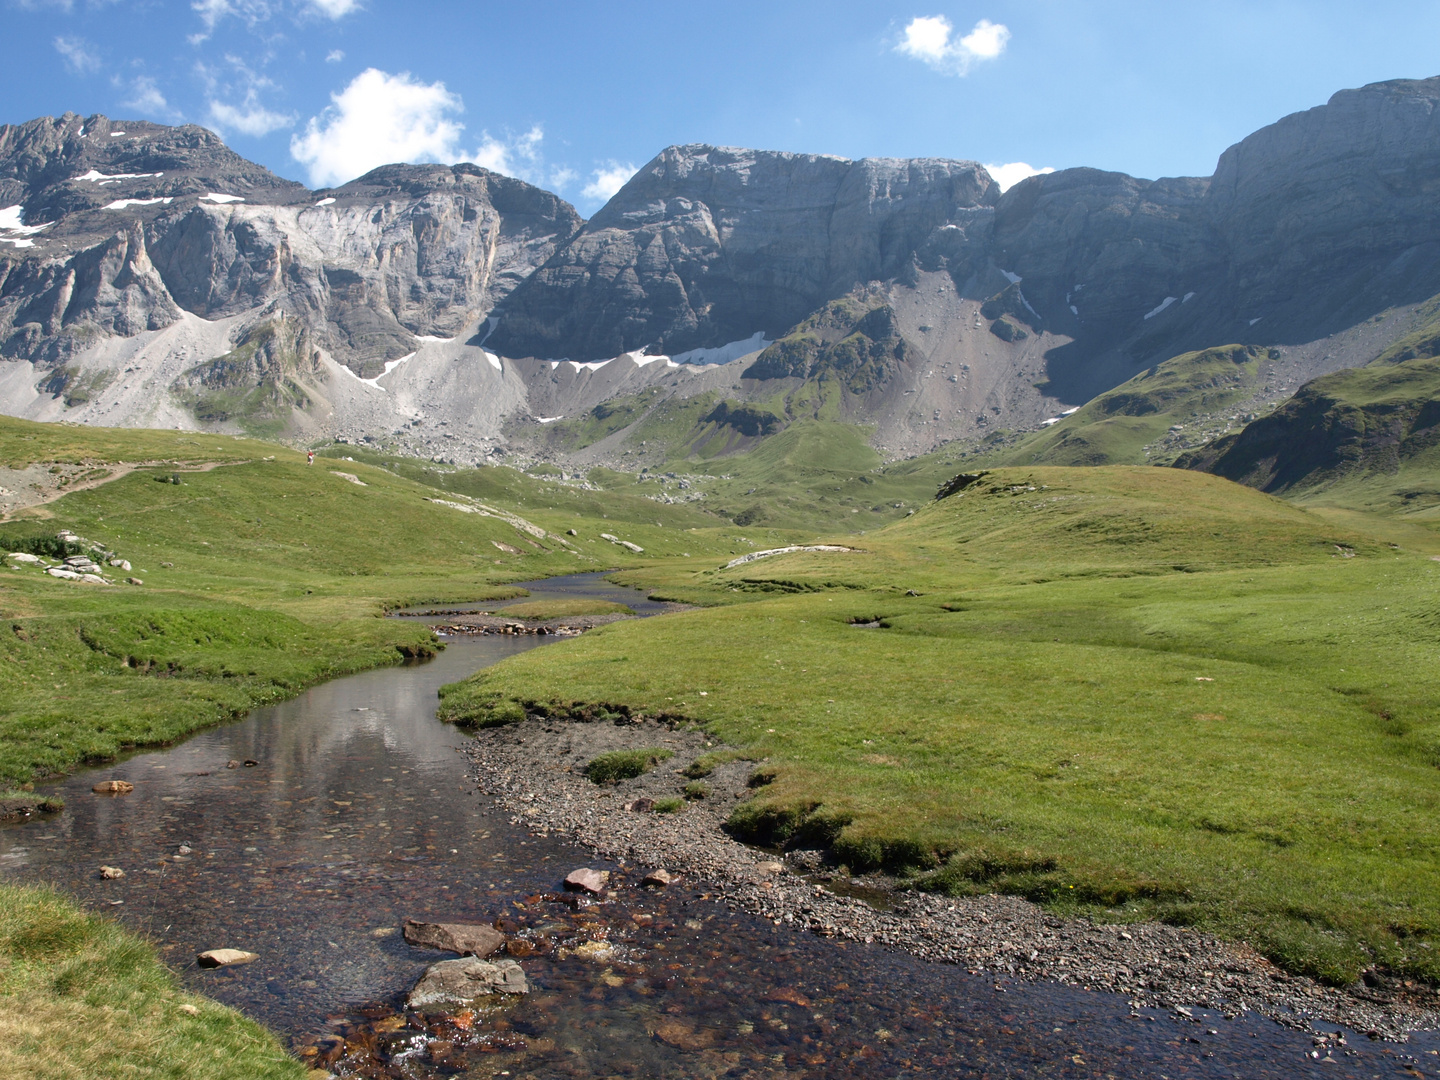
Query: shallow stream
point(357, 814)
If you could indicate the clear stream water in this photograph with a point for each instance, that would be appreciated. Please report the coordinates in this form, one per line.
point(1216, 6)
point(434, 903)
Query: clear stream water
point(358, 814)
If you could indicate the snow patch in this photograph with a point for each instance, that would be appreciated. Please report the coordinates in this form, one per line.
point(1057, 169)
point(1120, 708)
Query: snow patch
point(723, 354)
point(548, 419)
point(124, 204)
point(19, 243)
point(390, 365)
point(221, 199)
point(1074, 310)
point(1072, 409)
point(596, 366)
point(433, 338)
point(325, 202)
point(95, 176)
point(1161, 306)
point(1256, 319)
point(1186, 298)
point(494, 361)
point(1014, 279)
point(116, 134)
point(12, 219)
point(1048, 423)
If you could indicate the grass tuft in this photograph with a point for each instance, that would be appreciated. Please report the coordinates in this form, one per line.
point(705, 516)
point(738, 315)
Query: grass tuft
point(617, 765)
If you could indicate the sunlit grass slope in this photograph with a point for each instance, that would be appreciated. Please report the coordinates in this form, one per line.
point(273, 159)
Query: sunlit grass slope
point(81, 997)
point(1144, 692)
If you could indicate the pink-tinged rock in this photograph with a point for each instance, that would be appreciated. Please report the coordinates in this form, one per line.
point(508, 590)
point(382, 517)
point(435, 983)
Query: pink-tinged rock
point(587, 880)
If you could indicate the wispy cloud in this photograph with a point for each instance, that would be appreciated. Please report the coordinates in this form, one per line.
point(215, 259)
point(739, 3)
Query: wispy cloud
point(609, 178)
point(80, 56)
point(334, 56)
point(254, 12)
point(514, 155)
point(145, 98)
point(931, 40)
point(1012, 172)
point(249, 116)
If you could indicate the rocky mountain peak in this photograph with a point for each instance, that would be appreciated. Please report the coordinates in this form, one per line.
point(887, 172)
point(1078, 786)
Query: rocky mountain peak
point(707, 245)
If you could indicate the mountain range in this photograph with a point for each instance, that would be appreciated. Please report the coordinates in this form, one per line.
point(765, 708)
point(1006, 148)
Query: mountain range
point(150, 276)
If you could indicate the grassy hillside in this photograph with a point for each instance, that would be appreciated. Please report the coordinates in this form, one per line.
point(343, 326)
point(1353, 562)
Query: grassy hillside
point(1366, 438)
point(1138, 692)
point(1152, 417)
point(81, 997)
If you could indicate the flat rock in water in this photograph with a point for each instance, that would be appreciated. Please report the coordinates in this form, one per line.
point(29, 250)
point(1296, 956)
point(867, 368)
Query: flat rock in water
point(459, 982)
point(110, 873)
point(658, 878)
point(213, 958)
point(113, 787)
point(476, 939)
point(587, 880)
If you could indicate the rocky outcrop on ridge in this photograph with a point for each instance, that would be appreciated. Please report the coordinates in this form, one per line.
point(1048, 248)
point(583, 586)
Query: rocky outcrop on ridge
point(115, 229)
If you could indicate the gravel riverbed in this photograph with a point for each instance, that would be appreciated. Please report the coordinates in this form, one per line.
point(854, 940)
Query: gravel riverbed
point(535, 771)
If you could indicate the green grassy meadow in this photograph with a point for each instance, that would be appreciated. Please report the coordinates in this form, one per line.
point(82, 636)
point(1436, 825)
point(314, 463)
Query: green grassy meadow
point(1138, 692)
point(1131, 692)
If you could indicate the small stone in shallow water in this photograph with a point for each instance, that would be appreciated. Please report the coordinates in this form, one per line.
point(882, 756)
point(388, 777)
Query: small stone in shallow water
point(213, 958)
point(459, 982)
point(659, 878)
point(110, 873)
point(113, 787)
point(587, 880)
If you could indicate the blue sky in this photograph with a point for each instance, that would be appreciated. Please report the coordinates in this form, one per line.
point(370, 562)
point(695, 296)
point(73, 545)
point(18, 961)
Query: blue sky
point(574, 96)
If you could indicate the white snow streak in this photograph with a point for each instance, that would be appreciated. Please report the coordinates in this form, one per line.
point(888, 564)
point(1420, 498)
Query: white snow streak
point(1162, 306)
point(221, 199)
point(125, 204)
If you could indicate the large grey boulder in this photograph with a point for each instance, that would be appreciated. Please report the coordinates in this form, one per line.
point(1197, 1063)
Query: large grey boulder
point(459, 982)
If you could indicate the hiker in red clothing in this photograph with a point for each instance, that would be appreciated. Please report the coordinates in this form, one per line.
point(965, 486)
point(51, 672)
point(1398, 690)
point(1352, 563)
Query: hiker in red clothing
point(309, 457)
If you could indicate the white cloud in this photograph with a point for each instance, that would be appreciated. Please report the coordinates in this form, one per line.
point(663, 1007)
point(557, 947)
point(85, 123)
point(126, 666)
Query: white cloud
point(1012, 172)
point(80, 56)
point(507, 155)
point(608, 179)
point(931, 39)
point(334, 56)
point(378, 119)
point(248, 118)
point(254, 12)
point(561, 177)
point(145, 97)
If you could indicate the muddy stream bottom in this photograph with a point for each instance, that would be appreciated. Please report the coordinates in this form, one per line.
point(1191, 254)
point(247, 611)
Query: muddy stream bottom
point(357, 814)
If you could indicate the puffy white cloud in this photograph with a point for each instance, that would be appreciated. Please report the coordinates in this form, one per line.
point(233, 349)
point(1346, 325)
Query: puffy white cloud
point(335, 9)
point(80, 56)
point(381, 118)
point(378, 119)
point(608, 179)
point(1012, 172)
point(931, 40)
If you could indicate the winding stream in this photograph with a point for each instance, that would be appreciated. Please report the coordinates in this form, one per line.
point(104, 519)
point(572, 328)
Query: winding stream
point(358, 814)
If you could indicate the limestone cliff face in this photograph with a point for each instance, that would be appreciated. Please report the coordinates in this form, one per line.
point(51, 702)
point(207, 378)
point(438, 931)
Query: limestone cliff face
point(138, 222)
point(707, 245)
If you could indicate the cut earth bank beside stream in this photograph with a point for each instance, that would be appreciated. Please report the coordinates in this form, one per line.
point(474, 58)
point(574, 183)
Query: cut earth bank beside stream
point(534, 769)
